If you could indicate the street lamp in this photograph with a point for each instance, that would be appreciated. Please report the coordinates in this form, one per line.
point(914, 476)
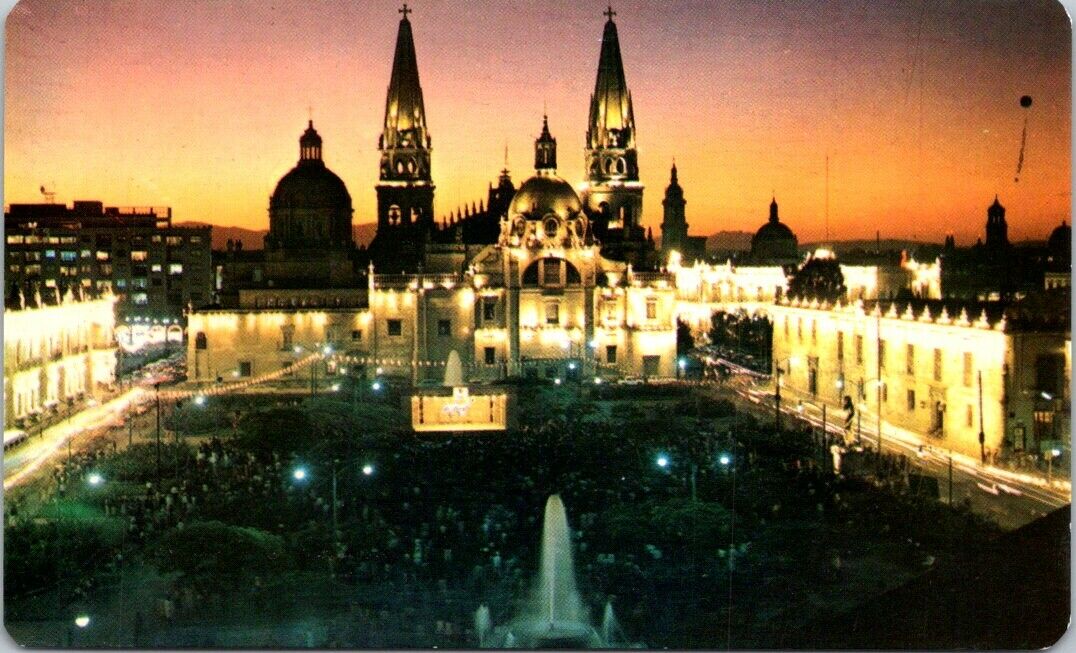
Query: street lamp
point(95, 479)
point(1054, 453)
point(82, 620)
point(376, 386)
point(299, 474)
point(662, 461)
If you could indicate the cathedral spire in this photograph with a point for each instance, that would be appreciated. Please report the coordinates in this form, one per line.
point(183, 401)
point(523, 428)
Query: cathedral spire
point(405, 141)
point(611, 128)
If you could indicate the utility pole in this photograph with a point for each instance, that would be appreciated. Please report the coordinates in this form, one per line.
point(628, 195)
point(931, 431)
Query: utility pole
point(777, 396)
point(878, 329)
point(982, 433)
point(950, 477)
point(157, 391)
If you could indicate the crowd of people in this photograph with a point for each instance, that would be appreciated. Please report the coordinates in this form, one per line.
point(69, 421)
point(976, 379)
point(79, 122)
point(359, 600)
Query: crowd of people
point(425, 529)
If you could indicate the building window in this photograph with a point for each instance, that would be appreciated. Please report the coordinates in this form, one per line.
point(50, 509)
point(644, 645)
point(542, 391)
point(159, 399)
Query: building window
point(444, 327)
point(155, 239)
point(174, 240)
point(68, 256)
point(967, 369)
point(140, 298)
point(175, 268)
point(196, 240)
point(969, 416)
point(244, 368)
point(121, 283)
point(50, 253)
point(551, 272)
point(911, 400)
point(491, 355)
point(287, 332)
point(610, 354)
point(859, 349)
point(881, 354)
point(840, 345)
point(156, 267)
point(489, 308)
point(395, 327)
point(103, 256)
point(651, 308)
point(14, 240)
point(937, 364)
point(552, 313)
point(356, 335)
point(799, 329)
point(139, 255)
point(910, 363)
point(787, 320)
point(814, 332)
point(200, 341)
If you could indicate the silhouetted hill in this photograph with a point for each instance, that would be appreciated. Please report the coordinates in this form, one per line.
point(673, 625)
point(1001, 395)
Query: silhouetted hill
point(255, 238)
point(728, 240)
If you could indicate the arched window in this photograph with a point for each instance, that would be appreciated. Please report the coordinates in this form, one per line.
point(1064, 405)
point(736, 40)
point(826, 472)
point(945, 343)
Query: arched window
point(200, 341)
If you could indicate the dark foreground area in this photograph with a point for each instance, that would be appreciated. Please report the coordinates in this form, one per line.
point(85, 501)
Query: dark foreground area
point(700, 526)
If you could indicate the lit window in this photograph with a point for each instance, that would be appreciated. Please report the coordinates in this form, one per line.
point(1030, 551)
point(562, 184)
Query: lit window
point(911, 400)
point(103, 256)
point(175, 268)
point(910, 367)
point(140, 298)
point(85, 253)
point(14, 240)
point(195, 240)
point(50, 253)
point(552, 313)
point(50, 283)
point(967, 369)
point(121, 283)
point(174, 240)
point(651, 309)
point(139, 255)
point(155, 239)
point(68, 256)
point(156, 267)
point(937, 364)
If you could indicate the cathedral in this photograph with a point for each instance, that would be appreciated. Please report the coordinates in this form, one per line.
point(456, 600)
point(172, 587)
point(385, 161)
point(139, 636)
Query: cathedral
point(535, 281)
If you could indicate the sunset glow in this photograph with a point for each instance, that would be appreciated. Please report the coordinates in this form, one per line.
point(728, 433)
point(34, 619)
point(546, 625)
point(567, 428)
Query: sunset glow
point(199, 105)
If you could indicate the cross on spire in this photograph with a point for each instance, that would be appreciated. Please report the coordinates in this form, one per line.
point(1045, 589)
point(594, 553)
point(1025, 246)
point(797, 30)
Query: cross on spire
point(609, 12)
point(406, 11)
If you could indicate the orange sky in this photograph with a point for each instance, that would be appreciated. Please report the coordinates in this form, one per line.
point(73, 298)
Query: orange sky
point(199, 105)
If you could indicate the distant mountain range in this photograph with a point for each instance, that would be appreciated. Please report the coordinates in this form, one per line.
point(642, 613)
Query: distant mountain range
point(255, 238)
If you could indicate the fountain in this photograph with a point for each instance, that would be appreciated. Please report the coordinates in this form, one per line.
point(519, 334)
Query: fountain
point(482, 624)
point(555, 616)
point(453, 370)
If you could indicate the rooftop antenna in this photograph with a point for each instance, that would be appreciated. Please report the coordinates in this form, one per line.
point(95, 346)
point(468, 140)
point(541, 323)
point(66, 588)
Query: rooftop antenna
point(827, 198)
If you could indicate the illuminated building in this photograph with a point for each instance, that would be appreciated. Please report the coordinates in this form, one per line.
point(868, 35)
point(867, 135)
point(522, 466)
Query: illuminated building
point(542, 301)
point(57, 349)
point(703, 288)
point(930, 356)
point(154, 268)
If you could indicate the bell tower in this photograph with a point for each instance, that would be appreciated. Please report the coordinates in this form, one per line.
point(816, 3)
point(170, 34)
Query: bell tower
point(612, 193)
point(405, 187)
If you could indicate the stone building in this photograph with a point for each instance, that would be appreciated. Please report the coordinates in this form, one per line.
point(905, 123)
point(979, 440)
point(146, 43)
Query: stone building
point(541, 301)
point(946, 371)
point(57, 350)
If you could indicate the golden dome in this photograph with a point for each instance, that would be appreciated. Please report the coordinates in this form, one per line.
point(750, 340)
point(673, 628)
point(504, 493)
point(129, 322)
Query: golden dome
point(543, 194)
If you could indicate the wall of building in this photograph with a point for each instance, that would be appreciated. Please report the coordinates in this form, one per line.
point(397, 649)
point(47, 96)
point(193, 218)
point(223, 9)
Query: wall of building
point(55, 354)
point(930, 370)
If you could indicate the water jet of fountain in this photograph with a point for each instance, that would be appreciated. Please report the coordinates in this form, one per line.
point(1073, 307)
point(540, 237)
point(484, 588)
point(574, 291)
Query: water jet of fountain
point(482, 624)
point(453, 370)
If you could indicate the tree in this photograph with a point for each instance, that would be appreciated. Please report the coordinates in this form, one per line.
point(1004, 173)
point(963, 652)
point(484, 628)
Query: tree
point(818, 278)
point(685, 342)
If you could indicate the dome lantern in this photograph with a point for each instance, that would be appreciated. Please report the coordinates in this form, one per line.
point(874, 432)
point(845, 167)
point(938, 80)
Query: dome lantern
point(310, 144)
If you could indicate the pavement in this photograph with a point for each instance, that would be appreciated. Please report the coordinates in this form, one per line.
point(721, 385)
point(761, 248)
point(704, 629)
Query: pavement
point(1010, 498)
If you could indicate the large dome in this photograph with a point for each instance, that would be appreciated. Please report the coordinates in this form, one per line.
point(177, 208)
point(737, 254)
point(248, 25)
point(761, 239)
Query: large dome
point(543, 194)
point(310, 185)
point(774, 231)
point(1060, 242)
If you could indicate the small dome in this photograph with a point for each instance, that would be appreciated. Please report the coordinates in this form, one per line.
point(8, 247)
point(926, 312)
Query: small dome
point(543, 194)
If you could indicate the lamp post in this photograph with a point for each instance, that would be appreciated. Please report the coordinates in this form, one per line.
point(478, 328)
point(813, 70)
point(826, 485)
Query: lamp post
point(1054, 453)
point(157, 395)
